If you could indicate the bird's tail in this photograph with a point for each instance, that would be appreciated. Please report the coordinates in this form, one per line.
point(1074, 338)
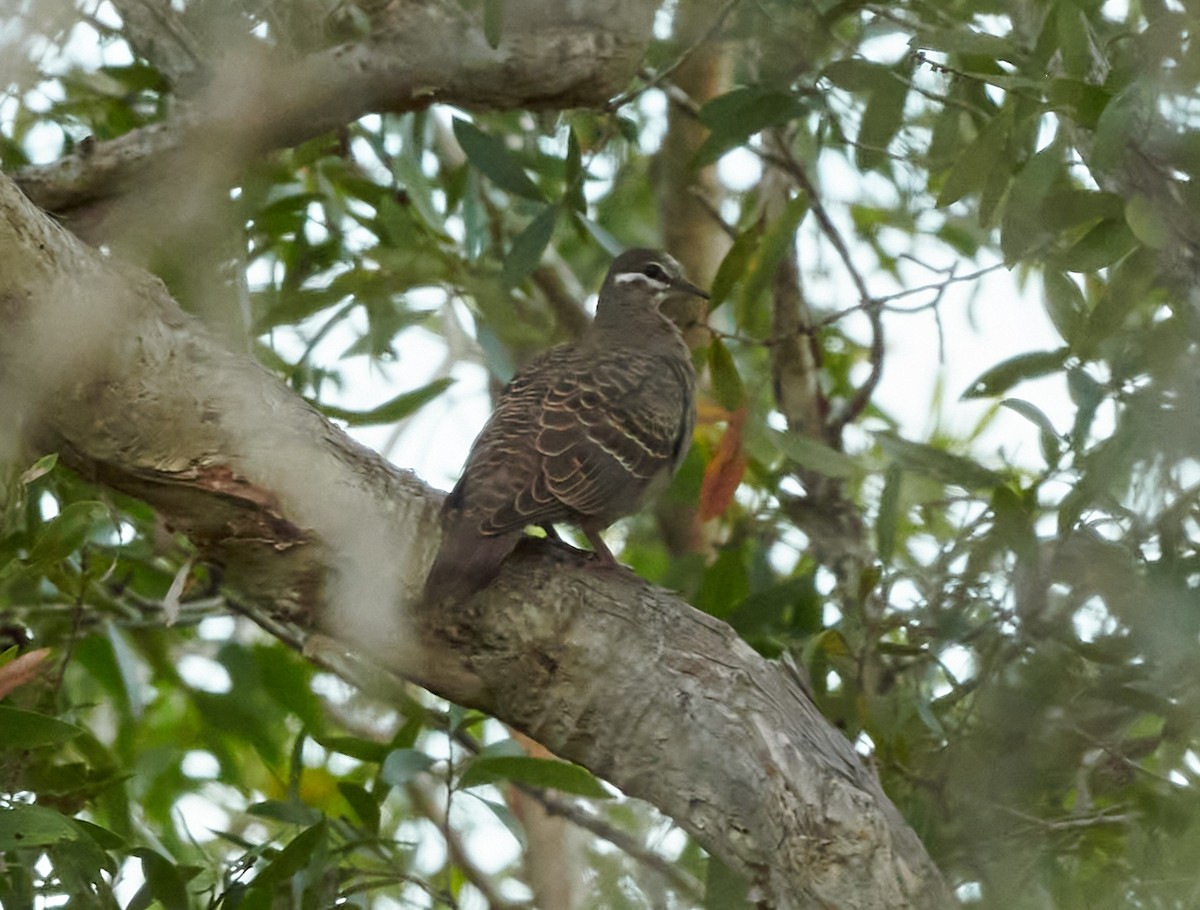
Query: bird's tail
point(466, 561)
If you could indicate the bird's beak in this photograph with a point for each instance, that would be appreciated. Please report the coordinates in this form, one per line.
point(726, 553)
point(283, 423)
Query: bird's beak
point(684, 286)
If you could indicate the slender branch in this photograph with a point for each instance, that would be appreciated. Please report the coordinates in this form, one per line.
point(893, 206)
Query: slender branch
point(652, 80)
point(427, 804)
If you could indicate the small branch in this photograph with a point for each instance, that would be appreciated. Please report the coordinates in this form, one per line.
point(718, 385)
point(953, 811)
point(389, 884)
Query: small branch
point(156, 32)
point(652, 80)
point(426, 803)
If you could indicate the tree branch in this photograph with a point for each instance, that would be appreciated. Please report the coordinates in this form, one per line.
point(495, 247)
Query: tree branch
point(549, 56)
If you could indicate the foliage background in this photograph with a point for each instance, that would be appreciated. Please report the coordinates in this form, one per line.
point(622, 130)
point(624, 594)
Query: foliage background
point(1010, 639)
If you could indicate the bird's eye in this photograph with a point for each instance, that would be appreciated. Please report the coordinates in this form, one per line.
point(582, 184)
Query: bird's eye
point(657, 272)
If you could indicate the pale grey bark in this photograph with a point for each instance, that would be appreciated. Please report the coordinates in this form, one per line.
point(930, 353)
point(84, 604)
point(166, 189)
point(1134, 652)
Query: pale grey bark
point(668, 703)
point(550, 55)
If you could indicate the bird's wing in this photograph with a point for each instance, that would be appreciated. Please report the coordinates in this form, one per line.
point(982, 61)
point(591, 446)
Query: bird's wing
point(611, 427)
point(502, 486)
point(576, 435)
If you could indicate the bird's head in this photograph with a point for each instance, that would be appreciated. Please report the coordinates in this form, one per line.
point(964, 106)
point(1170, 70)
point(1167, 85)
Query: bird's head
point(650, 272)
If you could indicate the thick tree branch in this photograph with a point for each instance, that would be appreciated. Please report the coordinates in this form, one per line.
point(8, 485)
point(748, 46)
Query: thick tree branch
point(550, 55)
point(666, 702)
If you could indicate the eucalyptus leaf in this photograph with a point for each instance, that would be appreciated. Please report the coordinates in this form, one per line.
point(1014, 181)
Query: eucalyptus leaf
point(493, 158)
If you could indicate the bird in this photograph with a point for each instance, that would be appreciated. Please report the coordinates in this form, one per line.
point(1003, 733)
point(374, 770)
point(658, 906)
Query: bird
point(583, 435)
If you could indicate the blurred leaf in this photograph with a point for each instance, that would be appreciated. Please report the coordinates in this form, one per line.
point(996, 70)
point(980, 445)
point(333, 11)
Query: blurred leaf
point(1003, 376)
point(937, 463)
point(574, 198)
point(780, 235)
point(538, 772)
point(724, 889)
point(295, 856)
point(1050, 439)
point(24, 826)
point(363, 803)
point(362, 749)
point(165, 882)
point(723, 474)
point(1103, 245)
point(293, 813)
point(855, 74)
point(492, 157)
point(967, 41)
point(733, 266)
point(726, 582)
point(1023, 226)
point(886, 523)
point(1147, 219)
point(67, 532)
point(527, 248)
point(493, 21)
point(977, 161)
point(882, 119)
point(27, 730)
point(396, 409)
point(1065, 304)
point(402, 765)
point(39, 468)
point(726, 383)
point(815, 455)
point(737, 115)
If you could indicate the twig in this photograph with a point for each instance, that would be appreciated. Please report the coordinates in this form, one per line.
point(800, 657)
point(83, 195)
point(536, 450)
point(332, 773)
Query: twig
point(427, 804)
point(654, 79)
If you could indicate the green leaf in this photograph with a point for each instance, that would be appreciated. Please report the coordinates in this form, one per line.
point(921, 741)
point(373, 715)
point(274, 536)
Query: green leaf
point(528, 247)
point(165, 882)
point(67, 532)
point(937, 463)
point(363, 803)
point(362, 749)
point(34, 826)
point(293, 813)
point(402, 765)
point(1065, 303)
point(855, 74)
point(882, 119)
point(27, 730)
point(1049, 438)
point(39, 468)
point(967, 41)
point(1082, 101)
point(734, 117)
point(773, 246)
point(493, 21)
point(538, 772)
point(492, 157)
point(1074, 39)
point(726, 383)
point(574, 197)
point(794, 599)
point(733, 266)
point(295, 856)
point(1023, 226)
point(1146, 219)
point(817, 456)
point(973, 167)
point(724, 889)
point(887, 522)
point(1103, 245)
point(1002, 377)
point(390, 411)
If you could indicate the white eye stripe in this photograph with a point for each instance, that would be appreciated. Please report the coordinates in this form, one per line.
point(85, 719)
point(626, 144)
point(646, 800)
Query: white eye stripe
point(630, 277)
